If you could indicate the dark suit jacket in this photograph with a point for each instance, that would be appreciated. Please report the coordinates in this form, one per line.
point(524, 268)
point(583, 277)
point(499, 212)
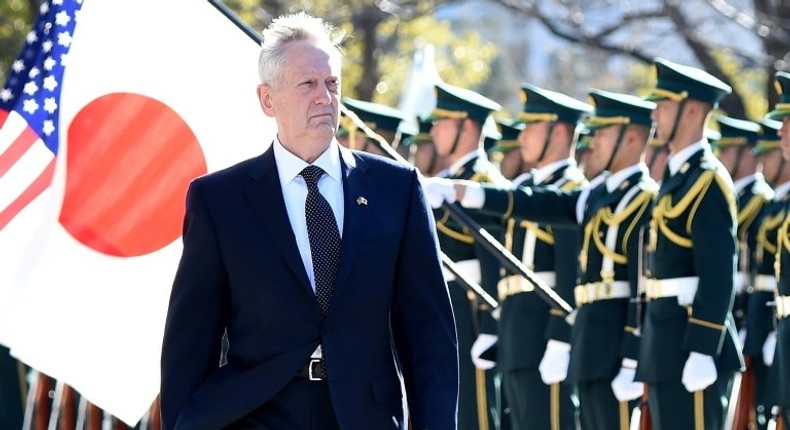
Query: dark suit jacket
point(241, 272)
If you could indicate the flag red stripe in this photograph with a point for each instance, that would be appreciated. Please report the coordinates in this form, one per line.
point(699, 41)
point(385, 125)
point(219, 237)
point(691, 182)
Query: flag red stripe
point(21, 144)
point(3, 116)
point(37, 187)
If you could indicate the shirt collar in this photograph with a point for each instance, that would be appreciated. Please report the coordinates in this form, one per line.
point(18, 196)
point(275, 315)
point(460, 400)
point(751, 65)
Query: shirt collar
point(740, 184)
point(781, 190)
point(455, 167)
point(540, 174)
point(614, 180)
point(289, 165)
point(676, 160)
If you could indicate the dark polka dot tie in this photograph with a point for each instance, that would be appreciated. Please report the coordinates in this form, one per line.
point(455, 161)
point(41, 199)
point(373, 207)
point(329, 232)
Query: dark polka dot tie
point(324, 237)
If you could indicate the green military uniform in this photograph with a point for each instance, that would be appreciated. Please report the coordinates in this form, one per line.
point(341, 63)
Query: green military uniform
point(610, 213)
point(526, 322)
point(753, 192)
point(754, 289)
point(478, 391)
point(691, 270)
point(782, 356)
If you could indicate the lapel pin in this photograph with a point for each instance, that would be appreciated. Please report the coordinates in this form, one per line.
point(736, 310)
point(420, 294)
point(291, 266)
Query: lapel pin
point(684, 168)
point(361, 201)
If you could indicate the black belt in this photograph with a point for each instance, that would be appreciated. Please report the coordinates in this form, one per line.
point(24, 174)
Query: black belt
point(314, 370)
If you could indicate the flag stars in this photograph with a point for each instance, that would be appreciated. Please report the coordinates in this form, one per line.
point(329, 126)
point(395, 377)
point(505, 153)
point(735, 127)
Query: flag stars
point(47, 45)
point(18, 66)
point(48, 127)
point(31, 37)
point(30, 106)
point(35, 71)
point(64, 39)
point(50, 83)
point(44, 8)
point(49, 63)
point(62, 18)
point(50, 105)
point(6, 94)
point(57, 2)
point(30, 88)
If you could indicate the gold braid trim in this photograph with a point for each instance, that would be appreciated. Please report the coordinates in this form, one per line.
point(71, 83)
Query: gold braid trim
point(706, 324)
point(770, 223)
point(460, 236)
point(542, 235)
point(665, 210)
point(748, 214)
point(646, 200)
point(784, 235)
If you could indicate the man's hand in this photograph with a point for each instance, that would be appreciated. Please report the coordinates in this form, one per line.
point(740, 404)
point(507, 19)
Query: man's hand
point(438, 190)
point(554, 365)
point(483, 342)
point(624, 386)
point(699, 372)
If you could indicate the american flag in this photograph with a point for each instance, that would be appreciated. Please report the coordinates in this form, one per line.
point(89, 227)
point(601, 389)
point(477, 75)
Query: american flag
point(29, 102)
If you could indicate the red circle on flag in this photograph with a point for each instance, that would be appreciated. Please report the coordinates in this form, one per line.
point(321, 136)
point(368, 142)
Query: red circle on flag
point(129, 160)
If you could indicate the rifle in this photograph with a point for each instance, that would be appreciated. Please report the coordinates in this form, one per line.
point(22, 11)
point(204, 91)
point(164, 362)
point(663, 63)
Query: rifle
point(744, 417)
point(641, 301)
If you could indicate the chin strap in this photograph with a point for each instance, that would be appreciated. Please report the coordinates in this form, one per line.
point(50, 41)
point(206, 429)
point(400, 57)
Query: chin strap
point(681, 108)
point(546, 142)
point(617, 145)
point(459, 126)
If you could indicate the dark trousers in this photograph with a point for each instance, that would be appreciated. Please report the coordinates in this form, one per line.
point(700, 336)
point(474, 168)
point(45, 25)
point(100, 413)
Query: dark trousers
point(674, 408)
point(11, 406)
point(301, 405)
point(537, 406)
point(600, 409)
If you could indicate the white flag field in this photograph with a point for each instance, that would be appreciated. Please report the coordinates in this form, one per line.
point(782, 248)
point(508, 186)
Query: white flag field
point(153, 94)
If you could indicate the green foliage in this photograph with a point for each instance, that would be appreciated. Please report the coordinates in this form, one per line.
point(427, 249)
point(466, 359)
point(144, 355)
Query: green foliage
point(16, 19)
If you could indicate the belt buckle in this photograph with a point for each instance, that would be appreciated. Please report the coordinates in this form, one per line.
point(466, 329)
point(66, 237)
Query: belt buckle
point(310, 372)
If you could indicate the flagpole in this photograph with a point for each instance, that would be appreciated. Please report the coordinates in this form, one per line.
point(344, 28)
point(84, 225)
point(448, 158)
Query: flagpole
point(231, 15)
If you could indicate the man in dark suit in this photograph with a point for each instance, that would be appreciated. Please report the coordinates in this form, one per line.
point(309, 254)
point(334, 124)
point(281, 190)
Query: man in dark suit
point(689, 349)
point(321, 267)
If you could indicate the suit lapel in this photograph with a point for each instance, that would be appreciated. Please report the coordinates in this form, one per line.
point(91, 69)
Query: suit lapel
point(674, 181)
point(359, 197)
point(264, 193)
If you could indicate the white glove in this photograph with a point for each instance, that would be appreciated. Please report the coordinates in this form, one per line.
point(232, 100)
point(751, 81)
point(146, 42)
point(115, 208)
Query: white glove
point(438, 191)
point(699, 372)
point(554, 365)
point(483, 342)
point(624, 386)
point(769, 348)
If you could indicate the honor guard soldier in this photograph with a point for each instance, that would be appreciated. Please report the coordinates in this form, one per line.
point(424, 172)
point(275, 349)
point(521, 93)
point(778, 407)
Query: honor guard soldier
point(383, 120)
point(780, 355)
point(534, 340)
point(457, 133)
point(689, 349)
point(734, 148)
point(423, 152)
point(583, 152)
point(505, 152)
point(610, 215)
point(656, 153)
point(759, 316)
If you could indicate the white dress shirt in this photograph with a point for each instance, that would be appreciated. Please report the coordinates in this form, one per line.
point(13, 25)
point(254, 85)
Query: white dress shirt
point(675, 161)
point(294, 191)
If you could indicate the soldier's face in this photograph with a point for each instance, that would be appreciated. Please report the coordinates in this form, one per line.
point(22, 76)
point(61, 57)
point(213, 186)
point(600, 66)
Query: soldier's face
point(531, 141)
point(771, 161)
point(784, 134)
point(444, 132)
point(729, 158)
point(664, 116)
point(601, 147)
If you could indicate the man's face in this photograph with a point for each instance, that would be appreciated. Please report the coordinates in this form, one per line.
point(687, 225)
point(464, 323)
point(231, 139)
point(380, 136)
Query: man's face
point(511, 164)
point(729, 158)
point(784, 135)
point(771, 162)
point(664, 116)
point(305, 103)
point(425, 158)
point(656, 156)
point(444, 132)
point(601, 148)
point(531, 141)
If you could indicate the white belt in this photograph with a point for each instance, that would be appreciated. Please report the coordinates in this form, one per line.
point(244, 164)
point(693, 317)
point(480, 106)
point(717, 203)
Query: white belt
point(515, 284)
point(764, 283)
point(468, 268)
point(782, 306)
point(594, 291)
point(683, 288)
